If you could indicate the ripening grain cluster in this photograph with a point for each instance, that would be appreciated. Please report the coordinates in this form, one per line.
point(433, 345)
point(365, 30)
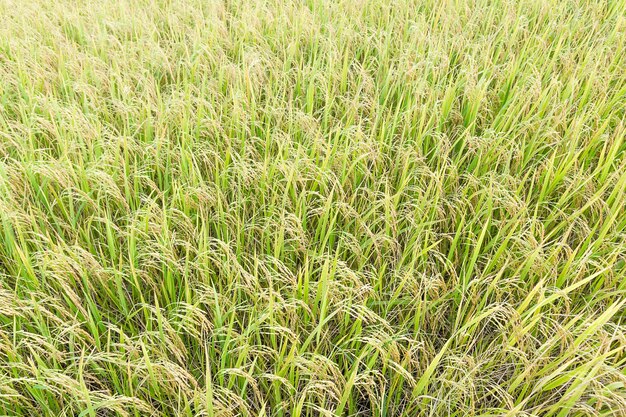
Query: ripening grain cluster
point(301, 208)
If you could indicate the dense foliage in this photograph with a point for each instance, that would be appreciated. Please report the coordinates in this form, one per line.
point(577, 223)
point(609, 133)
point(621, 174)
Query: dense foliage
point(313, 208)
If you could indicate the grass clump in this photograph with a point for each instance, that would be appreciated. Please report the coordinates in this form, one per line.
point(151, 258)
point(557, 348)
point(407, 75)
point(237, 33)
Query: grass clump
point(313, 208)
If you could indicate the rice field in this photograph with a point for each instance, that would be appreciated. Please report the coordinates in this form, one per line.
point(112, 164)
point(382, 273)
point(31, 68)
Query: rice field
point(300, 208)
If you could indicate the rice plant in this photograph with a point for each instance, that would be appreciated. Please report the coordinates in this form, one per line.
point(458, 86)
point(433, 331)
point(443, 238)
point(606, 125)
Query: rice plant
point(300, 208)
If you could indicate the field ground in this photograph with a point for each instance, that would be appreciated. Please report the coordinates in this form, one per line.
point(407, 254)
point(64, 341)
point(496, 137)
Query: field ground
point(313, 208)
